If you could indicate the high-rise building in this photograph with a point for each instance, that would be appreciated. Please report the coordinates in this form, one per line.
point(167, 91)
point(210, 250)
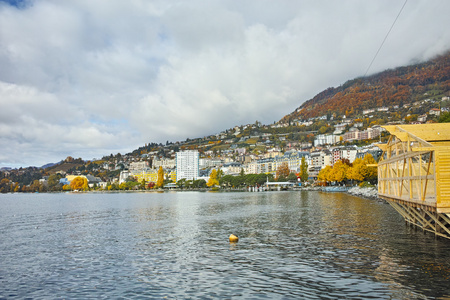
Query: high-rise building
point(187, 165)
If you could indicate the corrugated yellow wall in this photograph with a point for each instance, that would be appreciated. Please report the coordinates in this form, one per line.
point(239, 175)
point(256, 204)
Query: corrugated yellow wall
point(443, 177)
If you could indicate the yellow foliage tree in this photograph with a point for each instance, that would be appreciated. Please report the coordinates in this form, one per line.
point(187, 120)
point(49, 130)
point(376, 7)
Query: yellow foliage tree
point(324, 174)
point(212, 181)
point(79, 183)
point(160, 180)
point(303, 170)
point(357, 171)
point(372, 172)
point(339, 171)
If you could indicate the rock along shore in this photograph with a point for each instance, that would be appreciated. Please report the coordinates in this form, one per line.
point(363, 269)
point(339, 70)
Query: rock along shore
point(368, 192)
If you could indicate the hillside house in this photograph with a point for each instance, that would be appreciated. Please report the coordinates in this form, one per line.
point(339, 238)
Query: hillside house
point(435, 111)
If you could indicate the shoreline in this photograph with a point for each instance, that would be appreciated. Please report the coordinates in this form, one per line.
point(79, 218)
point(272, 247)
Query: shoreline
point(370, 193)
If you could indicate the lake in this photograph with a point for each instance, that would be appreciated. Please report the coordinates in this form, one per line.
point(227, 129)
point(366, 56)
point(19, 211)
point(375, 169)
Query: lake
point(174, 245)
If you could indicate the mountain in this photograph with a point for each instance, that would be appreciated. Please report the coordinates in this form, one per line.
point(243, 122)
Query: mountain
point(400, 86)
point(64, 165)
point(48, 165)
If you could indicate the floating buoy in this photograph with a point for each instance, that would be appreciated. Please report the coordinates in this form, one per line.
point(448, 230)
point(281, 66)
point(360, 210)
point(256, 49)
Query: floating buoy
point(233, 238)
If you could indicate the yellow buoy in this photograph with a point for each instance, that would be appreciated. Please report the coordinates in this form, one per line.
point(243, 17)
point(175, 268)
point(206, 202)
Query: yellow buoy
point(233, 238)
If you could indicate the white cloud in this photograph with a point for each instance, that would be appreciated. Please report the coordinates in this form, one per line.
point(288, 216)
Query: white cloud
point(87, 78)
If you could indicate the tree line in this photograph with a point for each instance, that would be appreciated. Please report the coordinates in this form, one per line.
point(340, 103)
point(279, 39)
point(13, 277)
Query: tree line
point(343, 171)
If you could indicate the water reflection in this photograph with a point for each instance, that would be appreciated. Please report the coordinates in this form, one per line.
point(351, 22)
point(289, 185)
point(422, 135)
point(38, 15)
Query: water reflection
point(291, 244)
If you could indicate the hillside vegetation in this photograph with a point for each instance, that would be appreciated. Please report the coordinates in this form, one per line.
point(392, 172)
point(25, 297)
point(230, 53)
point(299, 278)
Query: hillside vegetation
point(403, 85)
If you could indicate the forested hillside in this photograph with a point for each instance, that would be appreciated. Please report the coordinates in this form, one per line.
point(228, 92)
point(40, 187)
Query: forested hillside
point(429, 80)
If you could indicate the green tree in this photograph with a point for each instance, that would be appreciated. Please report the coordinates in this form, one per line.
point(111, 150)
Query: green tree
point(53, 182)
point(292, 177)
point(142, 185)
point(226, 180)
point(199, 183)
point(219, 174)
point(444, 118)
point(181, 183)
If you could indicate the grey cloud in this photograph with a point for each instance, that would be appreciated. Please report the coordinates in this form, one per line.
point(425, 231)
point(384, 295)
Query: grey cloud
point(87, 78)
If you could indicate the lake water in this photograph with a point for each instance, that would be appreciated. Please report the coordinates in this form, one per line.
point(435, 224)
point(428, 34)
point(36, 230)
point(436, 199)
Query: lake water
point(307, 245)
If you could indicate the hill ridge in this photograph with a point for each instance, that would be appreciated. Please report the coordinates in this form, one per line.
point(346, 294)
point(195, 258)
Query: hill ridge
point(405, 84)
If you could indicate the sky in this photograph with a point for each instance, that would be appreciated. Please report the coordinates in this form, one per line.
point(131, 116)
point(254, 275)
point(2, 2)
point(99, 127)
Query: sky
point(87, 78)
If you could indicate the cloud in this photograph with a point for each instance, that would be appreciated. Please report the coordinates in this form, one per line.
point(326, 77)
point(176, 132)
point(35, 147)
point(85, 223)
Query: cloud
point(89, 78)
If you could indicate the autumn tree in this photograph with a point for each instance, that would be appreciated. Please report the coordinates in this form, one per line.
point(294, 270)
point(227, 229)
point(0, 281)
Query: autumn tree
point(282, 172)
point(357, 170)
point(324, 174)
point(339, 171)
point(79, 183)
point(212, 181)
point(372, 171)
point(160, 180)
point(4, 185)
point(303, 170)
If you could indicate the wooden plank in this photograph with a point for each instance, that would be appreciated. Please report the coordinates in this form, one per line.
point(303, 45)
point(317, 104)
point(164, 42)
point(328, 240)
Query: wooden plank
point(402, 156)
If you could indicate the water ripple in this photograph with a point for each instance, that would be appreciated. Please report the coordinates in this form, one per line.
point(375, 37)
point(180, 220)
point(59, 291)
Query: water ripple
point(292, 245)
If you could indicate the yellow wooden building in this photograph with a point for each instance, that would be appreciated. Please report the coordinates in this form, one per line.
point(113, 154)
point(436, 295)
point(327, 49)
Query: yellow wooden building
point(414, 174)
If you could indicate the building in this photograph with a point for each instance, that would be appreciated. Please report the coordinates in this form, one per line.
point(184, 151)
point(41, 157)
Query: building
point(232, 168)
point(368, 111)
point(343, 153)
point(320, 159)
point(187, 165)
point(138, 166)
point(165, 163)
point(355, 134)
point(293, 159)
point(151, 175)
point(326, 139)
point(435, 111)
point(210, 163)
point(92, 180)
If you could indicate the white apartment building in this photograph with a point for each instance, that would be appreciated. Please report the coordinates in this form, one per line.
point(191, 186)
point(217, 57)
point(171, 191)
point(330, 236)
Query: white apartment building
point(320, 159)
point(251, 168)
point(187, 164)
point(326, 139)
point(124, 175)
point(343, 153)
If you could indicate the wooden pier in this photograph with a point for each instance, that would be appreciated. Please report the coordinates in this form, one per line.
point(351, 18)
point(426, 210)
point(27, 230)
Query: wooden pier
point(414, 175)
